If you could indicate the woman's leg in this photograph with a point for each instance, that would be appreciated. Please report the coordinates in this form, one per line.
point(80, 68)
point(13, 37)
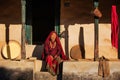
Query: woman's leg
point(50, 65)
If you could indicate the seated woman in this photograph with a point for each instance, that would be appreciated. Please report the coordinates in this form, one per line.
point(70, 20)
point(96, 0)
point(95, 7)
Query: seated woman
point(53, 53)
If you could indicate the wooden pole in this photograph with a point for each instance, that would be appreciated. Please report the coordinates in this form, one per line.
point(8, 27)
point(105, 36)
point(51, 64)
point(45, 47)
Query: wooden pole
point(96, 21)
point(23, 52)
point(66, 41)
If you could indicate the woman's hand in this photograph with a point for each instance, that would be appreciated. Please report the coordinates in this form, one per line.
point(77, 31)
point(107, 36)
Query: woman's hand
point(51, 57)
point(55, 56)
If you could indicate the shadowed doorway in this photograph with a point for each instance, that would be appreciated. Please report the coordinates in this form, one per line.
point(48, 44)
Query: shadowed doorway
point(43, 20)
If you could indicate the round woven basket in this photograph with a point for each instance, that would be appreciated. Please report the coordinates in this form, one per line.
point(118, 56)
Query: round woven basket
point(11, 50)
point(75, 52)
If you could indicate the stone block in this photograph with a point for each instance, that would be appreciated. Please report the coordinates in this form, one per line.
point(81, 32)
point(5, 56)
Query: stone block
point(2, 32)
point(15, 32)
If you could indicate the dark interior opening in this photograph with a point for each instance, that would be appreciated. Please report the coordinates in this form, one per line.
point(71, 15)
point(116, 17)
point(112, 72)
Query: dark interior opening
point(43, 20)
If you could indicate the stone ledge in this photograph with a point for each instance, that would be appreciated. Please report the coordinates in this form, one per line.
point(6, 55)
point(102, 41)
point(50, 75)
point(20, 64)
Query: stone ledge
point(80, 66)
point(13, 64)
point(86, 76)
point(88, 66)
point(88, 70)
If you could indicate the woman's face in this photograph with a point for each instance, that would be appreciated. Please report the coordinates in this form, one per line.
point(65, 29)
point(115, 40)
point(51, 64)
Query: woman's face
point(53, 37)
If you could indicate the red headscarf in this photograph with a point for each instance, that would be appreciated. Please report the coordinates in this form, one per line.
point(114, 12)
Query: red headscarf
point(58, 44)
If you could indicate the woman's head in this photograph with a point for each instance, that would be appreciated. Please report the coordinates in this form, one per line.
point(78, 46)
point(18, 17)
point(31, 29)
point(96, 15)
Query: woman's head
point(53, 37)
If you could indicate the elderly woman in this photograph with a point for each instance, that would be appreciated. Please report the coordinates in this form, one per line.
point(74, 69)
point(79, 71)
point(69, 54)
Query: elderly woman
point(53, 53)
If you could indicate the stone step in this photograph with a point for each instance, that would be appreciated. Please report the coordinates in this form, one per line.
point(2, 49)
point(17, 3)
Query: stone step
point(44, 76)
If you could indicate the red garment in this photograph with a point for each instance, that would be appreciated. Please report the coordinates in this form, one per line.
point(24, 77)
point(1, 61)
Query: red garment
point(114, 27)
point(53, 63)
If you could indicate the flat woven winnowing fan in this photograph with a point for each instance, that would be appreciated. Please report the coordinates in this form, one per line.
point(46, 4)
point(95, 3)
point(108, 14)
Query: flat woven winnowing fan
point(11, 50)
